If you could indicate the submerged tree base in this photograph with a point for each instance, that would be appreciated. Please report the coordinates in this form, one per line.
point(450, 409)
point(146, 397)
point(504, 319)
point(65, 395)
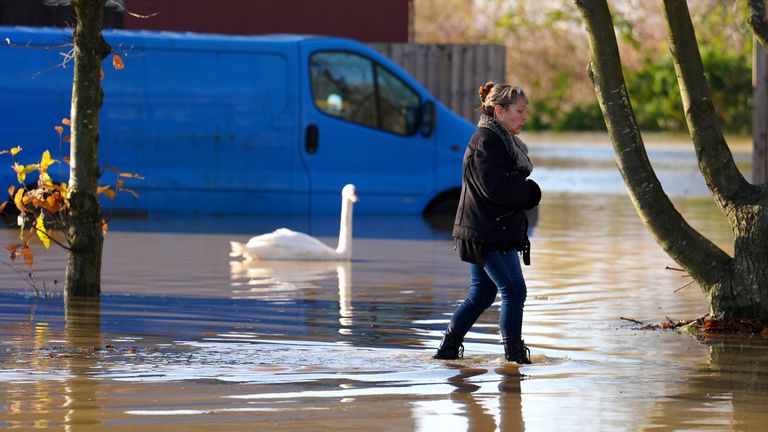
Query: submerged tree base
point(707, 327)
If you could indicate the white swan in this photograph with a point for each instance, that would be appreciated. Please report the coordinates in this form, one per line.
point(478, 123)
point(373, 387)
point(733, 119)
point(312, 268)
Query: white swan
point(284, 244)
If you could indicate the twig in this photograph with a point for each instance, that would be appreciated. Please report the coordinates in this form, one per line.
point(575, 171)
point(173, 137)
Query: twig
point(119, 6)
point(673, 268)
point(53, 239)
point(632, 320)
point(135, 15)
point(685, 285)
point(23, 276)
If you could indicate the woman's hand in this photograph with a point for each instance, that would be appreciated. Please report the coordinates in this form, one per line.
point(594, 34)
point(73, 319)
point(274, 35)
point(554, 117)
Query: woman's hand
point(534, 195)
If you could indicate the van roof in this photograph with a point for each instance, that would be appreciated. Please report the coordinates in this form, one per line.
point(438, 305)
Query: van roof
point(153, 37)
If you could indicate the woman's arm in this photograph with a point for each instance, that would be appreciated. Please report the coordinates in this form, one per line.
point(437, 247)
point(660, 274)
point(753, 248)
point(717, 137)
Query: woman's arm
point(498, 181)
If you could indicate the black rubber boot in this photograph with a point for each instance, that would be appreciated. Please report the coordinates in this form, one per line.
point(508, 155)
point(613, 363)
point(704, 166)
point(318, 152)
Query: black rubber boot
point(451, 348)
point(517, 352)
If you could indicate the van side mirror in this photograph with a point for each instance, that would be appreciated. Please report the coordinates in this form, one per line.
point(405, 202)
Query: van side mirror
point(427, 118)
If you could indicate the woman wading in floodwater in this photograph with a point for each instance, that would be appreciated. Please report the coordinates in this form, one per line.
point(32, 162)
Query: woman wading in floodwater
point(491, 225)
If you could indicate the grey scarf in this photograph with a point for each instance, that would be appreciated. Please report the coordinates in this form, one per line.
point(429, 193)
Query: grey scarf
point(515, 146)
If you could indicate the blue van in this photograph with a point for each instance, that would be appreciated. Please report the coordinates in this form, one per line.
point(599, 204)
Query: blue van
point(273, 124)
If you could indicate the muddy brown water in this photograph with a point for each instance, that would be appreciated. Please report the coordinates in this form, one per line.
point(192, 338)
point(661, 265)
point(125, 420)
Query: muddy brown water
point(186, 339)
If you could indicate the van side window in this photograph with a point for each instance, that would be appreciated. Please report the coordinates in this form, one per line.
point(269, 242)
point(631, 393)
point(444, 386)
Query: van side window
point(400, 106)
point(342, 86)
point(352, 87)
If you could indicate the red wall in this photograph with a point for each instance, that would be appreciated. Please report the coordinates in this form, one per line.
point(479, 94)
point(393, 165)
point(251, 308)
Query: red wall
point(367, 21)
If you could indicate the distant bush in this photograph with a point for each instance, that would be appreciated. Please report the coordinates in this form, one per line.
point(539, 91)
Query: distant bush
point(656, 100)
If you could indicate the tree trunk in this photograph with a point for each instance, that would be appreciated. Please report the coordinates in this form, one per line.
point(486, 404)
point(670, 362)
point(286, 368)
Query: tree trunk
point(745, 292)
point(735, 287)
point(83, 277)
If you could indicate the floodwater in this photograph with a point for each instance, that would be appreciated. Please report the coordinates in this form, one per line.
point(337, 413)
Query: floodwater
point(185, 339)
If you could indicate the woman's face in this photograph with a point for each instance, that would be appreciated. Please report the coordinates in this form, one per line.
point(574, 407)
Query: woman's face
point(513, 117)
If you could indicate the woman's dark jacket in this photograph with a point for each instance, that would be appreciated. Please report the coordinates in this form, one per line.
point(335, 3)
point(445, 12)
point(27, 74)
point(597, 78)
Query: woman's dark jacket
point(494, 197)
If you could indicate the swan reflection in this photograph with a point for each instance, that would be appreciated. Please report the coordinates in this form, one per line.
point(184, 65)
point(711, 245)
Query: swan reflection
point(291, 280)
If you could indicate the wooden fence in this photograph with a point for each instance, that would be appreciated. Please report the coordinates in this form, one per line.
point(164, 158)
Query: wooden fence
point(452, 73)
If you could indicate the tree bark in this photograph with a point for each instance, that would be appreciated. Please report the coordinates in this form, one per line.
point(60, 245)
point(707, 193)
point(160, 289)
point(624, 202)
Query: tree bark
point(703, 260)
point(758, 21)
point(83, 276)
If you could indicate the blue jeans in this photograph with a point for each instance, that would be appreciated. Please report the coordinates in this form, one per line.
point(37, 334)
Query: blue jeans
point(501, 273)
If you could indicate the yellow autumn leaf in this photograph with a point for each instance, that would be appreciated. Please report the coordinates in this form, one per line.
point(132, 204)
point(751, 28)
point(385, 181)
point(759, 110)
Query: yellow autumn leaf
point(102, 189)
point(20, 174)
point(18, 200)
point(42, 234)
point(59, 129)
point(14, 151)
point(64, 189)
point(134, 176)
point(11, 190)
point(45, 181)
point(110, 193)
point(66, 121)
point(46, 161)
point(22, 171)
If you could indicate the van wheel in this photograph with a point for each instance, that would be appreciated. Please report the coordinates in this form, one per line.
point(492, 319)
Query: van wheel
point(440, 213)
point(445, 203)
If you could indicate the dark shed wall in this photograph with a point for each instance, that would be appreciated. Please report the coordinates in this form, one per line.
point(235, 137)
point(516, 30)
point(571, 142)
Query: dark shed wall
point(367, 21)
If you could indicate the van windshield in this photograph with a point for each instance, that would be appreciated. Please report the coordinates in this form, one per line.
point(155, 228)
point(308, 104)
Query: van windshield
point(354, 88)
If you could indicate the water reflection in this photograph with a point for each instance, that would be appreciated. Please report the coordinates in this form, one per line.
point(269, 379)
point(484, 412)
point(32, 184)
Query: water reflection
point(83, 343)
point(510, 400)
point(729, 391)
point(25, 404)
point(481, 415)
point(284, 280)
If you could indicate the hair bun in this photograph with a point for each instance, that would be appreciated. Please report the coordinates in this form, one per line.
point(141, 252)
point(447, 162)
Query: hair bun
point(484, 90)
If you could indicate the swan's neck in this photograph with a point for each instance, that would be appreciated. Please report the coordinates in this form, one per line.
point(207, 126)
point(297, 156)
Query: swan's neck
point(345, 230)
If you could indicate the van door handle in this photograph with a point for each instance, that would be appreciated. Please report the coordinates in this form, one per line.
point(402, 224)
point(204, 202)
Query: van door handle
point(312, 139)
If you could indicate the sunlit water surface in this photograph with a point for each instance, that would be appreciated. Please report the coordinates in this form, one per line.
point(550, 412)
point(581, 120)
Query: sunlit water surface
point(184, 338)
